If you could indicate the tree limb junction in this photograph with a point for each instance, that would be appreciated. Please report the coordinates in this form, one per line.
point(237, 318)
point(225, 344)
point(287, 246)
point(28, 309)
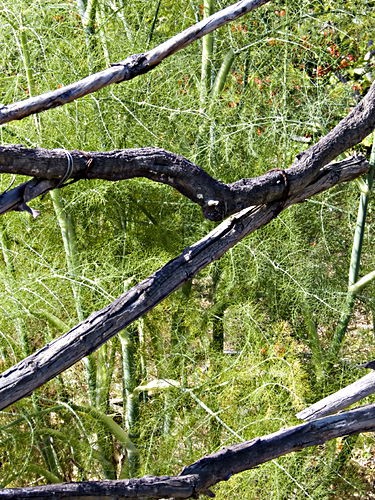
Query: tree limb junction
point(217, 199)
point(43, 365)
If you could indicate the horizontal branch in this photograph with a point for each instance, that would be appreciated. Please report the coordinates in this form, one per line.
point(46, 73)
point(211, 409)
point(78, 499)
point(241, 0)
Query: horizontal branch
point(197, 478)
point(132, 66)
point(89, 335)
point(217, 199)
point(341, 399)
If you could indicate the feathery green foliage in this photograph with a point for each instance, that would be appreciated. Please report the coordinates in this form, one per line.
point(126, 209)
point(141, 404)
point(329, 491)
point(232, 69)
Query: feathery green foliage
point(246, 339)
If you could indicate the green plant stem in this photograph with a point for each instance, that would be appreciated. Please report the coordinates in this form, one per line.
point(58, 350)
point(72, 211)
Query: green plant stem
point(207, 51)
point(222, 75)
point(357, 287)
point(314, 343)
point(25, 55)
point(71, 257)
point(130, 398)
point(48, 475)
point(154, 21)
point(87, 10)
point(10, 289)
point(88, 18)
point(353, 287)
point(102, 35)
point(114, 430)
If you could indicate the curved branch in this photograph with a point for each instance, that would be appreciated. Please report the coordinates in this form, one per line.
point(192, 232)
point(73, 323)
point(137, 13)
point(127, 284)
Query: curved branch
point(217, 199)
point(24, 377)
point(197, 478)
point(132, 66)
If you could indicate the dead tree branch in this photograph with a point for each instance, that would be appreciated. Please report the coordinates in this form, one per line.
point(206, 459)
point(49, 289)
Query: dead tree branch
point(132, 66)
point(197, 478)
point(218, 200)
point(24, 377)
point(340, 399)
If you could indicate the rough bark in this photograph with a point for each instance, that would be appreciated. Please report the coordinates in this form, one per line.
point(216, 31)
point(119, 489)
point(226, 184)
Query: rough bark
point(340, 399)
point(357, 125)
point(86, 337)
point(197, 478)
point(52, 168)
point(132, 66)
point(217, 199)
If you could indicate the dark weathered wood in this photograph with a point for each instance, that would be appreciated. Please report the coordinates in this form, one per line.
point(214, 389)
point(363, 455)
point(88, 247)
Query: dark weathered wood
point(145, 487)
point(340, 399)
point(218, 200)
point(86, 337)
point(132, 66)
point(357, 125)
point(222, 465)
point(197, 478)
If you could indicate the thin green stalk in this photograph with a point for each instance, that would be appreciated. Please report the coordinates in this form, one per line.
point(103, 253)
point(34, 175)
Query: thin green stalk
point(209, 102)
point(362, 283)
point(81, 4)
point(70, 247)
point(154, 21)
point(207, 52)
point(25, 56)
point(121, 16)
point(88, 19)
point(217, 310)
point(130, 397)
point(48, 475)
point(102, 35)
point(142, 350)
point(314, 343)
point(51, 319)
point(10, 289)
point(87, 11)
point(222, 75)
point(71, 257)
point(355, 258)
point(105, 368)
point(112, 429)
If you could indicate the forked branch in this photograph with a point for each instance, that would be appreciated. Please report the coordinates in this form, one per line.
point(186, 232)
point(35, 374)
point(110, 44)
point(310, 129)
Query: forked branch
point(89, 335)
point(217, 199)
point(199, 477)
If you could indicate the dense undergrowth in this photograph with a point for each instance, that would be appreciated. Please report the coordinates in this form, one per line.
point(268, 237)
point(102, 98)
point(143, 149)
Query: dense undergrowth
point(237, 352)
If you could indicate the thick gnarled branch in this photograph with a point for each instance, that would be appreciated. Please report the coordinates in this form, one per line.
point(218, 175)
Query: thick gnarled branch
point(197, 478)
point(217, 199)
point(86, 337)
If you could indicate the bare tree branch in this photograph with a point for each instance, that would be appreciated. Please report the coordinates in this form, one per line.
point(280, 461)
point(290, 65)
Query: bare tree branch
point(132, 66)
point(86, 337)
point(218, 200)
point(197, 478)
point(340, 399)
